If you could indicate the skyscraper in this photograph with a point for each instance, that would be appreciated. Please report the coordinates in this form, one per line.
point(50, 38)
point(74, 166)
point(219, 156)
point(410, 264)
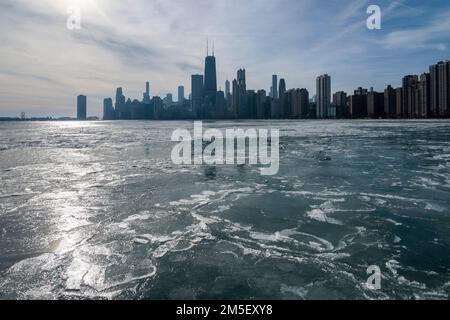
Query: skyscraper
point(282, 96)
point(340, 104)
point(298, 103)
point(282, 88)
point(443, 88)
point(81, 107)
point(434, 90)
point(261, 104)
point(323, 96)
point(408, 95)
point(168, 100)
point(241, 106)
point(210, 81)
point(219, 110)
point(375, 104)
point(197, 93)
point(146, 99)
point(157, 106)
point(416, 100)
point(274, 86)
point(390, 101)
point(252, 112)
point(108, 110)
point(358, 103)
point(425, 96)
point(399, 102)
point(227, 90)
point(180, 95)
point(120, 104)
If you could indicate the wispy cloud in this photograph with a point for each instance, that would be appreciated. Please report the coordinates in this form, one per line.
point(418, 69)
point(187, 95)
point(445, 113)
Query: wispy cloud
point(434, 35)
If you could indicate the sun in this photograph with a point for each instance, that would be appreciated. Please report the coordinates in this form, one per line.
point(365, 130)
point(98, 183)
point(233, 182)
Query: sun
point(85, 5)
point(93, 8)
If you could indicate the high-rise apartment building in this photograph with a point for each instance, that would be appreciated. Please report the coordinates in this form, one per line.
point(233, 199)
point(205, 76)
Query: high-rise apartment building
point(197, 93)
point(340, 104)
point(323, 96)
point(81, 107)
point(274, 86)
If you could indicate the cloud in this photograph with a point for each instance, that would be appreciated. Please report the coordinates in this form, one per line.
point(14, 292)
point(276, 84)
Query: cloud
point(428, 36)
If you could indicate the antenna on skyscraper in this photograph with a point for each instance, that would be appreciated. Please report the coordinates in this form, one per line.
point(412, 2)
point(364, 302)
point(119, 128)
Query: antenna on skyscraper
point(207, 46)
point(213, 49)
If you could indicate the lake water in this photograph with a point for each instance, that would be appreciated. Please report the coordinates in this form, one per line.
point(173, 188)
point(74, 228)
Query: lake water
point(98, 210)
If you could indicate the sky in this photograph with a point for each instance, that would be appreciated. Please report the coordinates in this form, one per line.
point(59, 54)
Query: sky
point(44, 65)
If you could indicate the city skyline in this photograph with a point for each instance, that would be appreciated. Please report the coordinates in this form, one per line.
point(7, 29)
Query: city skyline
point(420, 97)
point(297, 45)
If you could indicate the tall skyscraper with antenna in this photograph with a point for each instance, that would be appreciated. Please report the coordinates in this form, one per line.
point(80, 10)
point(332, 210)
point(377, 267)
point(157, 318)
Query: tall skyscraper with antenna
point(210, 85)
point(210, 79)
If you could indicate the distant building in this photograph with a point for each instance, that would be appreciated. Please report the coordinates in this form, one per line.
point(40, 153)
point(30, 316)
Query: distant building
point(180, 95)
point(146, 98)
point(275, 109)
point(262, 105)
point(157, 108)
point(108, 109)
point(440, 89)
point(252, 104)
point(197, 94)
point(282, 97)
point(220, 108)
point(340, 104)
point(408, 95)
point(424, 96)
point(416, 100)
point(81, 107)
point(234, 99)
point(323, 96)
point(210, 84)
point(240, 108)
point(168, 100)
point(312, 114)
point(434, 90)
point(390, 102)
point(274, 86)
point(282, 87)
point(298, 101)
point(399, 102)
point(227, 90)
point(120, 104)
point(375, 104)
point(136, 110)
point(444, 89)
point(358, 104)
